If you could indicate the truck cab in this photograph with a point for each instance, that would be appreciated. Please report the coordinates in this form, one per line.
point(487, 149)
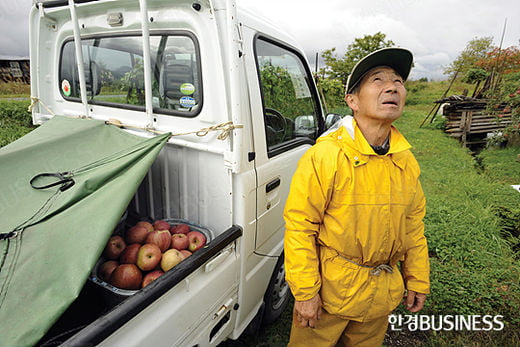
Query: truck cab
point(239, 99)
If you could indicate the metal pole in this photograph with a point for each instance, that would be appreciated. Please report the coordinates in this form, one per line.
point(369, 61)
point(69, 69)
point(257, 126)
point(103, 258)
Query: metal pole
point(146, 62)
point(79, 56)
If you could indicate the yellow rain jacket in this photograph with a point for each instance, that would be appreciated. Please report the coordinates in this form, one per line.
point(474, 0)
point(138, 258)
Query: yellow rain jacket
point(349, 211)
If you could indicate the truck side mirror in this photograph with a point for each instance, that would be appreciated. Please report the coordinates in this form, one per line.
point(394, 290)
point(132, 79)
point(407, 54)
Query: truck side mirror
point(304, 126)
point(331, 119)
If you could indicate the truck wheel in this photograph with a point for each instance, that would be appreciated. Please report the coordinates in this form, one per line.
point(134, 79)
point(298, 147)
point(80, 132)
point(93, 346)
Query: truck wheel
point(277, 295)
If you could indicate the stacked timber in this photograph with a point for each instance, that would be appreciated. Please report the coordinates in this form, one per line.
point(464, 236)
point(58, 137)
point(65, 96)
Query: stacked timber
point(470, 120)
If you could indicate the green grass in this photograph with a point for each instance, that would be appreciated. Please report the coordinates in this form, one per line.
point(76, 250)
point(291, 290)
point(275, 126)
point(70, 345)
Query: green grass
point(425, 93)
point(14, 89)
point(501, 165)
point(15, 120)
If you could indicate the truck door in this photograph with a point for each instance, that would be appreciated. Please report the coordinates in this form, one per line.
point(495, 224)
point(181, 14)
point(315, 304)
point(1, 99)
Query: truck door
point(287, 120)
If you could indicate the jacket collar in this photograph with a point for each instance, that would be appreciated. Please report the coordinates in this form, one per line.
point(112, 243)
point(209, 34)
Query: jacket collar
point(353, 143)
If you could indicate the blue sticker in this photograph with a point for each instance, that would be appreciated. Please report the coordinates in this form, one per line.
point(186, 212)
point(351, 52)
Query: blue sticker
point(187, 101)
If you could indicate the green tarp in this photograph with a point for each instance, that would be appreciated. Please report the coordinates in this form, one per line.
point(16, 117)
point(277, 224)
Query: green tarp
point(51, 238)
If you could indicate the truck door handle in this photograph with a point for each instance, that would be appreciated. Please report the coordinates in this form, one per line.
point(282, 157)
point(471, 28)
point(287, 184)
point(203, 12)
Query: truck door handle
point(271, 185)
point(217, 260)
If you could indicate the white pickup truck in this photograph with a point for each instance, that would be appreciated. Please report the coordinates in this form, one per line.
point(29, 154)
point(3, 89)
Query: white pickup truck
point(197, 69)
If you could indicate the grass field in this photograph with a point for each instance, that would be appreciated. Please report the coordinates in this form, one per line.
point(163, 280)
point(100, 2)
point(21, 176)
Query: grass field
point(472, 225)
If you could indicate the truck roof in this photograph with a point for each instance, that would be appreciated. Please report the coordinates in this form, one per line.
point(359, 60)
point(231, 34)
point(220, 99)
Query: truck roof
point(246, 16)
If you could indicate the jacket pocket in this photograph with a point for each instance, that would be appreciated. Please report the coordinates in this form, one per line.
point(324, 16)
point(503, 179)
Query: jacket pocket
point(351, 291)
point(395, 288)
point(341, 285)
point(387, 294)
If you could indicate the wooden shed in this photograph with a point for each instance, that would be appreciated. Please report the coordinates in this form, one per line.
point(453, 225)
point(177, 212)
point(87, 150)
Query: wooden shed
point(471, 121)
point(13, 69)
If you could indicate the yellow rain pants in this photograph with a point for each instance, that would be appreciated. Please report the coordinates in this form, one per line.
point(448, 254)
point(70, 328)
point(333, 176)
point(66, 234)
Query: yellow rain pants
point(332, 330)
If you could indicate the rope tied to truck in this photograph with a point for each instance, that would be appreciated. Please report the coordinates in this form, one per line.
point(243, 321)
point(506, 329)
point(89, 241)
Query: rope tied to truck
point(34, 101)
point(226, 128)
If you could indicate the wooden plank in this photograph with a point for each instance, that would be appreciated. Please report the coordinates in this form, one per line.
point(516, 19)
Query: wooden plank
point(468, 119)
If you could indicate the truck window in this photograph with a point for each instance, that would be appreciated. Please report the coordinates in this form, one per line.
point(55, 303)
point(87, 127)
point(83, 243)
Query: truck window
point(290, 109)
point(115, 73)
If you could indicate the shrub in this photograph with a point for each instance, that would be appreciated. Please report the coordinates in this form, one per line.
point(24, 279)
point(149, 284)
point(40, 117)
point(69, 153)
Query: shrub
point(15, 120)
point(16, 111)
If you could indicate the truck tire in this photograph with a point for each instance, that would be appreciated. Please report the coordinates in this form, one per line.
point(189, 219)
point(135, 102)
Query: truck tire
point(278, 293)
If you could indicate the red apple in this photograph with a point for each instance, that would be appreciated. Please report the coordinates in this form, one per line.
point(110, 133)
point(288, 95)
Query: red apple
point(197, 240)
point(129, 255)
point(149, 227)
point(170, 258)
point(180, 229)
point(149, 256)
point(151, 276)
point(136, 234)
point(126, 276)
point(106, 269)
point(161, 238)
point(161, 225)
point(186, 253)
point(180, 241)
point(114, 247)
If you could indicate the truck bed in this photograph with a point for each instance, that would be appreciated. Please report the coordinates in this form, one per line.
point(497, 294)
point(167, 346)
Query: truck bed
point(90, 319)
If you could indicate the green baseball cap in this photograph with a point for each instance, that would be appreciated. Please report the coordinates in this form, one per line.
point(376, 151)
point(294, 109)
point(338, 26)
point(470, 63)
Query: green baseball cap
point(400, 59)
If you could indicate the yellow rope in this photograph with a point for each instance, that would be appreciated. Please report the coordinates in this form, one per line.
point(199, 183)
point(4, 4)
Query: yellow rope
point(225, 129)
point(34, 101)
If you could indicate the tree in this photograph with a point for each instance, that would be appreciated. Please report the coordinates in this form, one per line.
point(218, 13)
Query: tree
point(475, 50)
point(497, 63)
point(502, 61)
point(339, 68)
point(475, 75)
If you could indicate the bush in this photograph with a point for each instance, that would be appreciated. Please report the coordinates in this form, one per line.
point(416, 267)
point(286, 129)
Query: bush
point(15, 120)
point(16, 111)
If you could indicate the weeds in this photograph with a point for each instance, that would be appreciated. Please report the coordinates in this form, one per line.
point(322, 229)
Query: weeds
point(15, 89)
point(15, 120)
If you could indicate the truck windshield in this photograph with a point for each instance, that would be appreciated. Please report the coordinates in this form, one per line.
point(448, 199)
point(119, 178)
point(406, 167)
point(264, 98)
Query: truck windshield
point(115, 73)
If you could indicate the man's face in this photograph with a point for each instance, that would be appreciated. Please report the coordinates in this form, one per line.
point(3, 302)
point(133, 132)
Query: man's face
point(381, 95)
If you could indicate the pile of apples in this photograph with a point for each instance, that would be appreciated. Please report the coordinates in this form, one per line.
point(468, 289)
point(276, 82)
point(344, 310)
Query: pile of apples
point(146, 252)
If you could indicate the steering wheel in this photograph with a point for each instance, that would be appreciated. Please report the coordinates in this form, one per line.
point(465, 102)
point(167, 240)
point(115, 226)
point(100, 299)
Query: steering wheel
point(277, 122)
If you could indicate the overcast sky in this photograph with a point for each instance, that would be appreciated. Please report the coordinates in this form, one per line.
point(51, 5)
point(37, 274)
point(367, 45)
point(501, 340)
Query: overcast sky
point(435, 30)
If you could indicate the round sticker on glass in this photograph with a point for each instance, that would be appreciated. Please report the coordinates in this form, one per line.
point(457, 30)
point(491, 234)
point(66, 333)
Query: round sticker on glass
point(187, 101)
point(187, 88)
point(65, 87)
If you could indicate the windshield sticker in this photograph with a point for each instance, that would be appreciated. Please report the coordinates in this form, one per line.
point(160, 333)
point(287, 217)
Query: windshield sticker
point(65, 87)
point(187, 88)
point(187, 101)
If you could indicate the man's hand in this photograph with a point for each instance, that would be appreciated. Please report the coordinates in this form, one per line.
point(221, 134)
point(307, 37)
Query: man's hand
point(308, 312)
point(414, 301)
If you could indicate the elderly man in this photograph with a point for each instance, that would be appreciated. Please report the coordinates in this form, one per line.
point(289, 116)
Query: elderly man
point(354, 212)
